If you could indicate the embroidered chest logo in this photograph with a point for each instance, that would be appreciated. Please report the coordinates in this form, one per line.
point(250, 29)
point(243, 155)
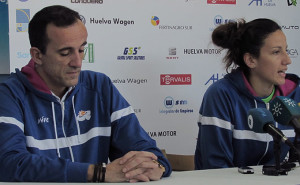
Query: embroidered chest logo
point(43, 120)
point(84, 115)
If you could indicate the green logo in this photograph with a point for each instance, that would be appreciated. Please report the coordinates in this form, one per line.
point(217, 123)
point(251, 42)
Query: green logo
point(89, 53)
point(292, 2)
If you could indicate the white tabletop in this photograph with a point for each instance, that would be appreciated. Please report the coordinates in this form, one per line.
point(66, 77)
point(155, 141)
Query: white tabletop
point(229, 176)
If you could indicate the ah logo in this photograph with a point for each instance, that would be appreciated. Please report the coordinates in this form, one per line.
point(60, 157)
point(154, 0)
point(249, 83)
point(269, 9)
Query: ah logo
point(43, 120)
point(214, 78)
point(84, 115)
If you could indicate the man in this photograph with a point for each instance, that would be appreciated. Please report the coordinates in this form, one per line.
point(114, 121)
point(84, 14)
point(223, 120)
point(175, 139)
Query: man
point(61, 124)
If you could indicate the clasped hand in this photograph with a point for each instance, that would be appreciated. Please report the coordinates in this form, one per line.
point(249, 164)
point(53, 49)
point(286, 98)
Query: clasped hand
point(133, 167)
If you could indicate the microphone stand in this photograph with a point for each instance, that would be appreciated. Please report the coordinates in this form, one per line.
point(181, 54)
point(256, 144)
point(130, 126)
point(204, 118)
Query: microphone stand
point(275, 170)
point(295, 152)
point(277, 148)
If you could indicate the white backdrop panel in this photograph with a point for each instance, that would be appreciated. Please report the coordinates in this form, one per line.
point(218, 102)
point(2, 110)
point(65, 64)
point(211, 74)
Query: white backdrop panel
point(184, 27)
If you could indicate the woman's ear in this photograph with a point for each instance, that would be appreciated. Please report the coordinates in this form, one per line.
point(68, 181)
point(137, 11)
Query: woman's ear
point(36, 55)
point(250, 61)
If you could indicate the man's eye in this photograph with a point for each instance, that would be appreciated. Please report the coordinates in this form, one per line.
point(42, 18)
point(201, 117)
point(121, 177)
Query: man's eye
point(64, 54)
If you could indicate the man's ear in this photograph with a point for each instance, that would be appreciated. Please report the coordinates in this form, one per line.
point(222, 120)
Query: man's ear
point(250, 61)
point(36, 55)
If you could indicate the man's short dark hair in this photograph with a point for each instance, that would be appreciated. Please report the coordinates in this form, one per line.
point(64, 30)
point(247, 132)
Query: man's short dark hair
point(58, 15)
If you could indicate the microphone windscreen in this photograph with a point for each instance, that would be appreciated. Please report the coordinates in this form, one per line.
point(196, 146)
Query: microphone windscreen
point(284, 109)
point(258, 118)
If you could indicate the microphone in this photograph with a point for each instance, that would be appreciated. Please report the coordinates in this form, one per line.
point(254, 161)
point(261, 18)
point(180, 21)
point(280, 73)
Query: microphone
point(286, 112)
point(260, 120)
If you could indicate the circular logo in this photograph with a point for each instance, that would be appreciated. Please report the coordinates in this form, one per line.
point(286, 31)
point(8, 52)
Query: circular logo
point(82, 18)
point(154, 20)
point(250, 122)
point(218, 20)
point(169, 102)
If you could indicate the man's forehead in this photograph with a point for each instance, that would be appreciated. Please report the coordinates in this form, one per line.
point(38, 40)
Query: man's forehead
point(67, 35)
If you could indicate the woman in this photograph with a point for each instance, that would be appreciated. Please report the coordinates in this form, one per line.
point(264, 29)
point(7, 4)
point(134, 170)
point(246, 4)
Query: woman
point(257, 62)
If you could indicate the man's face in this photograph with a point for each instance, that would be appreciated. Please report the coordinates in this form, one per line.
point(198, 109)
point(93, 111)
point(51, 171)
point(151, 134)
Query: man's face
point(61, 64)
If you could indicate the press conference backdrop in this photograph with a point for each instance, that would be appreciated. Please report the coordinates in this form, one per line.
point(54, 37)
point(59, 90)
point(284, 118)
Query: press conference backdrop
point(158, 52)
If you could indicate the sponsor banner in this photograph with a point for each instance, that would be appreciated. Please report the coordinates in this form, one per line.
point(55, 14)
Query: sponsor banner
point(87, 1)
point(221, 1)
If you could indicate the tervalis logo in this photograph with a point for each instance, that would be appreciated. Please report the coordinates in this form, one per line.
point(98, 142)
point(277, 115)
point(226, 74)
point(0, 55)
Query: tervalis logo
point(154, 20)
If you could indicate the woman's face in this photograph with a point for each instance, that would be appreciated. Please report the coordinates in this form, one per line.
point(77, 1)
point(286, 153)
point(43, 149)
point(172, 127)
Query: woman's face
point(271, 66)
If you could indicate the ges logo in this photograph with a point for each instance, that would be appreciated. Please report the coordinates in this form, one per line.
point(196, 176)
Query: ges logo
point(131, 50)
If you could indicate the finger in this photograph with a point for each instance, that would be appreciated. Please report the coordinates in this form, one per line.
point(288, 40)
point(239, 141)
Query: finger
point(127, 156)
point(152, 170)
point(132, 154)
point(142, 168)
point(149, 164)
point(152, 175)
point(132, 173)
point(140, 177)
point(138, 162)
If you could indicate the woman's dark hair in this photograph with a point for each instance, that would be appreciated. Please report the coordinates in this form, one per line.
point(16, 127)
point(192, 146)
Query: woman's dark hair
point(240, 37)
point(58, 15)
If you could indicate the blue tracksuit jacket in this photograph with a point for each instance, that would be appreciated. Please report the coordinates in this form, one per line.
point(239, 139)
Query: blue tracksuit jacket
point(224, 138)
point(43, 138)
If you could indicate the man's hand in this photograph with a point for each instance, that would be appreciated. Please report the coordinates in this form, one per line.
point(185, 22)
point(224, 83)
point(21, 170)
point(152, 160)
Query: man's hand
point(140, 166)
point(132, 167)
point(114, 172)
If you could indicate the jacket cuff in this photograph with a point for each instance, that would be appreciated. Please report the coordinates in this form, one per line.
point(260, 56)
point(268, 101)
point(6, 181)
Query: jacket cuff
point(77, 172)
point(167, 166)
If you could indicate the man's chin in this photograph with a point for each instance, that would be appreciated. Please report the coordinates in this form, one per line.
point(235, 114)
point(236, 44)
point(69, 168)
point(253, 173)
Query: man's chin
point(72, 83)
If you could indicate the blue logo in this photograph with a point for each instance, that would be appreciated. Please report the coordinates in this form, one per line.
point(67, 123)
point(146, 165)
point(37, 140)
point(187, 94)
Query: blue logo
point(169, 102)
point(270, 3)
point(214, 78)
point(131, 50)
point(130, 54)
point(175, 106)
point(258, 2)
point(218, 19)
point(22, 20)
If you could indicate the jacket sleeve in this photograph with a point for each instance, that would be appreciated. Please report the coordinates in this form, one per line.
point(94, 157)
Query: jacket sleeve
point(214, 146)
point(127, 133)
point(16, 162)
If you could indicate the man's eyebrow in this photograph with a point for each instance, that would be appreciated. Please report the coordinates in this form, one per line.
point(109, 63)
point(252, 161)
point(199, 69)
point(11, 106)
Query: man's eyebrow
point(70, 48)
point(64, 49)
point(83, 44)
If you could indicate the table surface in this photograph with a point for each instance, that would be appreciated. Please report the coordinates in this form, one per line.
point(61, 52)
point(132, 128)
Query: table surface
point(229, 176)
